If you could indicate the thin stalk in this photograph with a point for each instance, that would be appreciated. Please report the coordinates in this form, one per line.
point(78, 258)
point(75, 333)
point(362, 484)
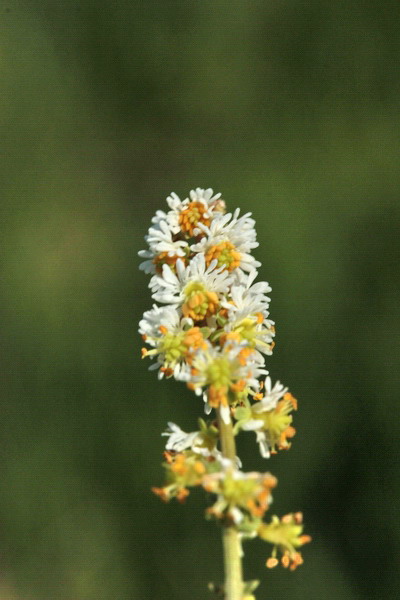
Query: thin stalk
point(230, 538)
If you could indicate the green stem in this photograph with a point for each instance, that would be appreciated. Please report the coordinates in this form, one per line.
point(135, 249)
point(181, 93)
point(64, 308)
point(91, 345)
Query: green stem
point(230, 538)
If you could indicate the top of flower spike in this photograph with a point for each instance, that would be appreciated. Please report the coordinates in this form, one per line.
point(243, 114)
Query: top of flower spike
point(213, 328)
point(195, 225)
point(213, 332)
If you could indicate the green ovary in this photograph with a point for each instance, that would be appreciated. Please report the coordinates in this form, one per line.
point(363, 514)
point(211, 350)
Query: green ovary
point(219, 373)
point(192, 288)
point(247, 331)
point(239, 491)
point(172, 347)
point(274, 422)
point(285, 535)
point(225, 259)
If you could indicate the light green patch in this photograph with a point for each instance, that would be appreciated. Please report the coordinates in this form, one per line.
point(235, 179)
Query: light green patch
point(172, 347)
point(275, 423)
point(194, 287)
point(219, 373)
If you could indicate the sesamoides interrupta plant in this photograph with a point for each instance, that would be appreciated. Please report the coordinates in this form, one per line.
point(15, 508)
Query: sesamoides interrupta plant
point(211, 330)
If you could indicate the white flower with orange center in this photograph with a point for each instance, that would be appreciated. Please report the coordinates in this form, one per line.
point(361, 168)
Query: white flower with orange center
point(185, 216)
point(229, 239)
point(227, 375)
point(256, 331)
point(163, 248)
point(196, 288)
point(246, 319)
point(270, 418)
point(174, 341)
point(248, 298)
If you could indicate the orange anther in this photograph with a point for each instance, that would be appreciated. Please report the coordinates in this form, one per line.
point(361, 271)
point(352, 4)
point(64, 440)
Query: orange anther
point(290, 399)
point(182, 494)
point(212, 297)
point(232, 335)
point(238, 386)
point(193, 214)
point(285, 560)
point(161, 493)
point(271, 562)
point(167, 371)
point(305, 539)
point(298, 517)
point(199, 468)
point(297, 558)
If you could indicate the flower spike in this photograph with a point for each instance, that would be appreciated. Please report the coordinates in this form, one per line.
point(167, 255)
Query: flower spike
point(211, 330)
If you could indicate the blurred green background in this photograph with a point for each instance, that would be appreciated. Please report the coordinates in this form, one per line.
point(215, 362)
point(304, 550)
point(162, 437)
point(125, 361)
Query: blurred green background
point(291, 109)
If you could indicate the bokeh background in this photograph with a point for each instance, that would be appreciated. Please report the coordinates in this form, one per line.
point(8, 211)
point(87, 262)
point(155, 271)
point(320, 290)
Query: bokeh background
point(291, 109)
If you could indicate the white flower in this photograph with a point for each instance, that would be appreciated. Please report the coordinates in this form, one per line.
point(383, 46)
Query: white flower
point(199, 442)
point(247, 299)
point(162, 248)
point(159, 216)
point(173, 340)
point(247, 314)
point(160, 316)
point(178, 440)
point(185, 215)
point(271, 396)
point(197, 288)
point(229, 239)
point(272, 427)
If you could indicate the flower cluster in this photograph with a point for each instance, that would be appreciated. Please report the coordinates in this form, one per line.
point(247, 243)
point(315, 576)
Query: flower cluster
point(211, 330)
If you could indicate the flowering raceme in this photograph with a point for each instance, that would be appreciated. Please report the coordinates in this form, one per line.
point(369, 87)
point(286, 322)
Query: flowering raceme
point(213, 332)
